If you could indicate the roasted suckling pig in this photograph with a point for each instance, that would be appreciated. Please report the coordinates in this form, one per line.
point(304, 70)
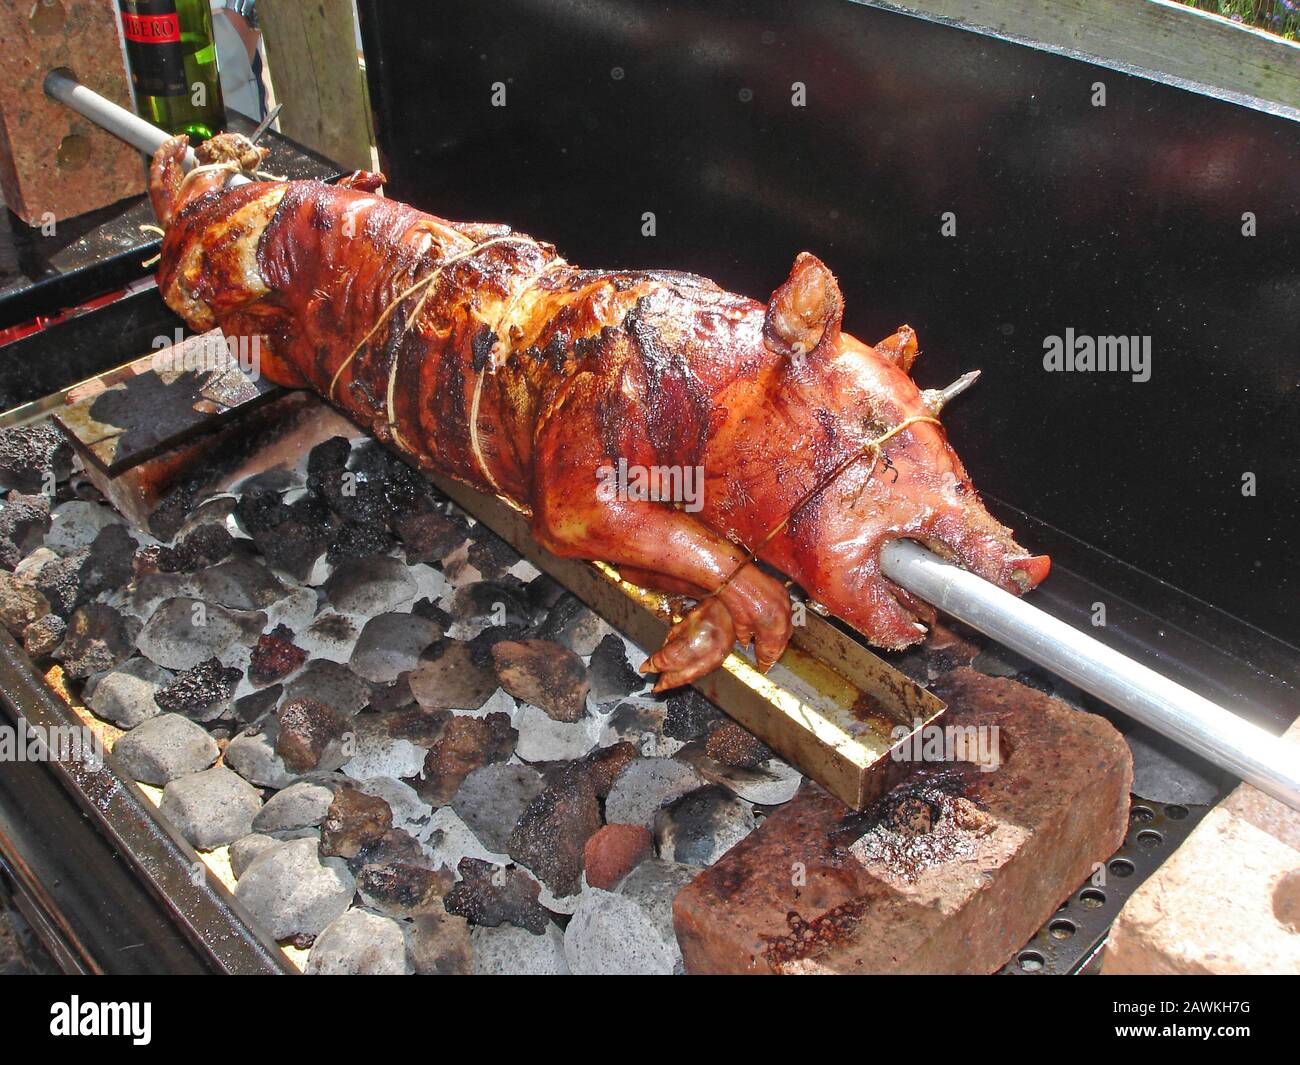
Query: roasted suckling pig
point(480, 353)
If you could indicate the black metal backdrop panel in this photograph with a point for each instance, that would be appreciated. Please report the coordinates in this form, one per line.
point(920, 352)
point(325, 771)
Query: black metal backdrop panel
point(574, 119)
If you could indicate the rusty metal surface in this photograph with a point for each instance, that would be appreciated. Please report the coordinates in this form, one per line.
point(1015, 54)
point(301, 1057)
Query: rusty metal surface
point(110, 840)
point(135, 412)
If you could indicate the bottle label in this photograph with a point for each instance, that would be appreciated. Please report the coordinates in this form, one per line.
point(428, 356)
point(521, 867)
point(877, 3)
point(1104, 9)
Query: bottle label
point(153, 44)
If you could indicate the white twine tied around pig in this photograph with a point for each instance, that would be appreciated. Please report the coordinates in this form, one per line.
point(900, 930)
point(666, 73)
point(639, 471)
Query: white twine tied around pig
point(237, 151)
point(423, 286)
point(934, 400)
point(872, 446)
point(149, 227)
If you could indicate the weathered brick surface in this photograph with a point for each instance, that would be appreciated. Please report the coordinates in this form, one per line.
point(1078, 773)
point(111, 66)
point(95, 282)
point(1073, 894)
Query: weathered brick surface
point(95, 169)
point(1227, 901)
point(952, 884)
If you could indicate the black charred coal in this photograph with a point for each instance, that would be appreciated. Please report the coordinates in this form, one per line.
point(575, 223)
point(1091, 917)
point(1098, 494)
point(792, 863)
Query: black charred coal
point(690, 716)
point(491, 555)
point(173, 509)
point(544, 592)
point(61, 582)
point(403, 489)
point(566, 608)
point(106, 565)
point(291, 536)
point(293, 547)
point(612, 677)
point(429, 536)
point(489, 895)
point(34, 458)
point(327, 459)
point(348, 494)
point(200, 693)
point(109, 562)
point(358, 539)
point(431, 611)
point(24, 521)
point(259, 511)
point(205, 546)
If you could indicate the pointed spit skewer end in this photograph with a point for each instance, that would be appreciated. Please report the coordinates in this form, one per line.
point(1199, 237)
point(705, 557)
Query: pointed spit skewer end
point(935, 399)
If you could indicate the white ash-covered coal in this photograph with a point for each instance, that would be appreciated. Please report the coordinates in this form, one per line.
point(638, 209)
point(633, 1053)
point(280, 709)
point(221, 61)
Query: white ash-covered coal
point(423, 755)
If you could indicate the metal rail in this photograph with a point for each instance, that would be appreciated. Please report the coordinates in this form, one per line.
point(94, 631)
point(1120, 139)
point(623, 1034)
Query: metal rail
point(1177, 712)
point(106, 885)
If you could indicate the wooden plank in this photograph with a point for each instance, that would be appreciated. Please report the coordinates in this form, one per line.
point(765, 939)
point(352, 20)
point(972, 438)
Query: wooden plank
point(311, 52)
point(1159, 36)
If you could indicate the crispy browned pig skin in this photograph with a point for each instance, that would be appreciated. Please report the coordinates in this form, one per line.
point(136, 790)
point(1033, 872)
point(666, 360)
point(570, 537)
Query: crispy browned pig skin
point(523, 376)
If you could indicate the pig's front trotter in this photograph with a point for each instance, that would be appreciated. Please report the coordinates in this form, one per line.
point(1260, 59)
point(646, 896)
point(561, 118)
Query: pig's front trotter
point(752, 606)
point(696, 645)
point(664, 549)
point(760, 611)
point(655, 546)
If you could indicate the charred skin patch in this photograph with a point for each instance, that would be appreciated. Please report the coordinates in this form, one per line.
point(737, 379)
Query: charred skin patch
point(556, 351)
point(675, 406)
point(320, 218)
point(482, 346)
point(451, 413)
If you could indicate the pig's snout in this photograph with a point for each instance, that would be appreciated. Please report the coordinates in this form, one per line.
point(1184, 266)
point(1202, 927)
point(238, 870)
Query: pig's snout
point(970, 536)
point(874, 604)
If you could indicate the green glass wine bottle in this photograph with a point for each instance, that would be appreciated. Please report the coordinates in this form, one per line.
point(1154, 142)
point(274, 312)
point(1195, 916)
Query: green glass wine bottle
point(173, 59)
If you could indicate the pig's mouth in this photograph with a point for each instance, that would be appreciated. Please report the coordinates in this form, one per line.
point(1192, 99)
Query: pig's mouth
point(966, 533)
point(894, 619)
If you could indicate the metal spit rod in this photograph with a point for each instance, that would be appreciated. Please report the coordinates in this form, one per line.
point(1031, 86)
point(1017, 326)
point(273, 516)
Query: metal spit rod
point(123, 124)
point(1177, 712)
point(1172, 710)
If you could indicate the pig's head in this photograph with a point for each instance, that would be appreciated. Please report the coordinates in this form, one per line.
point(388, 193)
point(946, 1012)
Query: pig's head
point(845, 394)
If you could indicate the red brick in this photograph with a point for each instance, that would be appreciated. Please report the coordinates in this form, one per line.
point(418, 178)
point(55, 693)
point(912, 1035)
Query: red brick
point(978, 874)
point(1227, 902)
point(615, 851)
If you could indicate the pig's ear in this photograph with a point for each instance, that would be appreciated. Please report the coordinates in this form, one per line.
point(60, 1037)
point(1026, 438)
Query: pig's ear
point(900, 348)
point(804, 314)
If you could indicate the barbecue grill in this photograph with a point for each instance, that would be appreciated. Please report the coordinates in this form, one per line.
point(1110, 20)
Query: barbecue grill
point(1114, 220)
